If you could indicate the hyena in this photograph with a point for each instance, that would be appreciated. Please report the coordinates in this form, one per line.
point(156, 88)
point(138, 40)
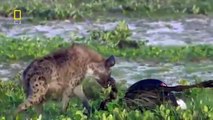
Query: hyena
point(58, 76)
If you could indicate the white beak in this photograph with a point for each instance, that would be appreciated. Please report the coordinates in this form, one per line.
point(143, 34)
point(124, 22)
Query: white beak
point(182, 104)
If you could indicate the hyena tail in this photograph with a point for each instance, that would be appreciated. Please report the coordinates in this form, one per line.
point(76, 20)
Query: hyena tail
point(25, 81)
point(36, 89)
point(26, 87)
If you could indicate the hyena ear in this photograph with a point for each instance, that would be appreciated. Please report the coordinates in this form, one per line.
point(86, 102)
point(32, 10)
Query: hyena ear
point(110, 61)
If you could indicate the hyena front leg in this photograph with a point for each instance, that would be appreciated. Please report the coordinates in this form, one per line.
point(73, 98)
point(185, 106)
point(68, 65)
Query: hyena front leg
point(65, 102)
point(78, 91)
point(36, 97)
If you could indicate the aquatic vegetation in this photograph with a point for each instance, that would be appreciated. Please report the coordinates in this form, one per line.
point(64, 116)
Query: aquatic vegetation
point(28, 48)
point(199, 102)
point(119, 37)
point(74, 9)
point(22, 49)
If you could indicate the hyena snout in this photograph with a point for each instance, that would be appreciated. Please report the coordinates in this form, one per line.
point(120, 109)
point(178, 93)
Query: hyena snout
point(104, 82)
point(103, 74)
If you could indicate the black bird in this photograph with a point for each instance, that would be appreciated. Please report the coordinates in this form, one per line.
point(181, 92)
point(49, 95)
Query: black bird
point(148, 93)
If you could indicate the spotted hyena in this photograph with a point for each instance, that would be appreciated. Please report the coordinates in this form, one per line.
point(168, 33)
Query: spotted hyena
point(58, 76)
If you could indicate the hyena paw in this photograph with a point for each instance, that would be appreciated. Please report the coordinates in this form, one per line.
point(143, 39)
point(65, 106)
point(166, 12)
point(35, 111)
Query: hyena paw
point(88, 112)
point(102, 106)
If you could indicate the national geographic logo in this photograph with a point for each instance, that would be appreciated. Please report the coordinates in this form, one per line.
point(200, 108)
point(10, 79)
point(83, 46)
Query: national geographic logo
point(17, 16)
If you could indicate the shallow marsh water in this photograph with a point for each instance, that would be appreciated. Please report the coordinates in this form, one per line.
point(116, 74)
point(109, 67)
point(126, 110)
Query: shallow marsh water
point(132, 71)
point(195, 30)
point(173, 32)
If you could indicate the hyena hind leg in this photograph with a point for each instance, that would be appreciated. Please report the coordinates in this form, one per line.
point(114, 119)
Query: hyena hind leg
point(34, 99)
point(29, 102)
point(39, 108)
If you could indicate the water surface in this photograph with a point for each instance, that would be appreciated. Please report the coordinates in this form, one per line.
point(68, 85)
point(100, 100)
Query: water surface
point(197, 30)
point(186, 31)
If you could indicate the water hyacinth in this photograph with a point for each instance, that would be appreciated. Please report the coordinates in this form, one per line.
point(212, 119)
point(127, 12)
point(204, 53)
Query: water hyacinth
point(118, 42)
point(48, 9)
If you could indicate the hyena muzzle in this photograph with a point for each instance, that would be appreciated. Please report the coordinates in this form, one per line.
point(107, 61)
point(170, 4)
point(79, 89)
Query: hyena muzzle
point(58, 76)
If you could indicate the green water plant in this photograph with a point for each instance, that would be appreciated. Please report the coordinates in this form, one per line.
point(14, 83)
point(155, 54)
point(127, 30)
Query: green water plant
point(15, 49)
point(84, 9)
point(11, 94)
point(118, 37)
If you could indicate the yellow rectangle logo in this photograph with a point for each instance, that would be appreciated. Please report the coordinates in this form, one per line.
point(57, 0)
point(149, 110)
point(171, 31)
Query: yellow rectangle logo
point(17, 15)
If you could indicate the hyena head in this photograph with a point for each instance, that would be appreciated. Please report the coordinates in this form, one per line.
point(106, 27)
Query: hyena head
point(101, 71)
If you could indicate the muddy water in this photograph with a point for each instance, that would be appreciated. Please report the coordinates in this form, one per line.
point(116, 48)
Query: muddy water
point(174, 32)
point(134, 71)
point(169, 73)
point(197, 30)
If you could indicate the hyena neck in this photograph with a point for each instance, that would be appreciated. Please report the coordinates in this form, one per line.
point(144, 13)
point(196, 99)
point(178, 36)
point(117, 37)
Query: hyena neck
point(84, 53)
point(89, 72)
point(82, 58)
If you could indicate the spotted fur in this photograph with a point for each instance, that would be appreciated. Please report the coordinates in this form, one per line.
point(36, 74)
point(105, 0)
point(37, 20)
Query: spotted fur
point(58, 76)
